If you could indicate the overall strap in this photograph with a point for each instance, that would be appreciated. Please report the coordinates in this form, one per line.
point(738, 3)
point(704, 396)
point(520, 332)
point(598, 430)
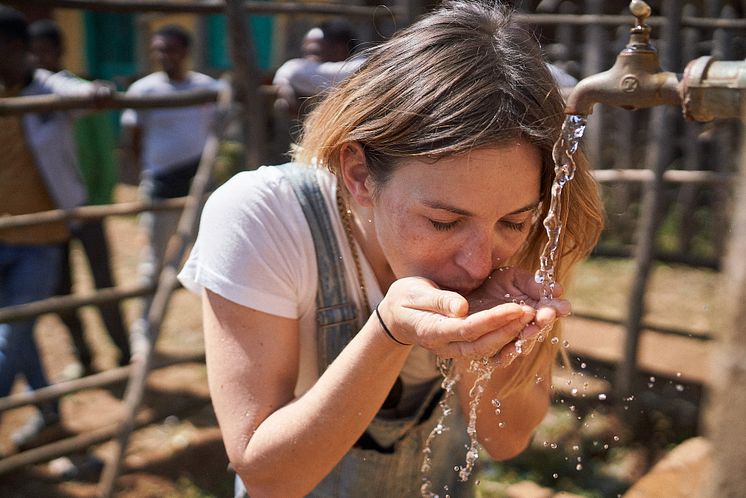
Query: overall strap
point(336, 315)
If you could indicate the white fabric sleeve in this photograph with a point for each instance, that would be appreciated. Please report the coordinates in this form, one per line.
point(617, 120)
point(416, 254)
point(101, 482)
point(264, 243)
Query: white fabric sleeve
point(254, 246)
point(131, 117)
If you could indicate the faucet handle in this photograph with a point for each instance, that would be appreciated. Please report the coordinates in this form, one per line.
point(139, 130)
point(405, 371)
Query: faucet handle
point(639, 34)
point(640, 10)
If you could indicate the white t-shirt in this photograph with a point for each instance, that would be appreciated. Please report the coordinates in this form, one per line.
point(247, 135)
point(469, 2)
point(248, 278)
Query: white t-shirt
point(255, 248)
point(309, 77)
point(171, 135)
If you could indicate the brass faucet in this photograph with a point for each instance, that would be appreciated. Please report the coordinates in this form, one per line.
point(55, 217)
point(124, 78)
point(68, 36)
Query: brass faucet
point(635, 81)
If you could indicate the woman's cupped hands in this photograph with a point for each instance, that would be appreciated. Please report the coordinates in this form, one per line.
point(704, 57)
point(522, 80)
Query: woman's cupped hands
point(502, 319)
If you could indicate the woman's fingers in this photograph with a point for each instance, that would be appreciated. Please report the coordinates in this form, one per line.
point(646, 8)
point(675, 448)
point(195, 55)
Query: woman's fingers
point(439, 320)
point(423, 295)
point(485, 333)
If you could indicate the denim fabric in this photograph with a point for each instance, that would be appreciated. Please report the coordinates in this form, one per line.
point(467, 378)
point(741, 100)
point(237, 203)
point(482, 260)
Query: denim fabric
point(337, 316)
point(27, 273)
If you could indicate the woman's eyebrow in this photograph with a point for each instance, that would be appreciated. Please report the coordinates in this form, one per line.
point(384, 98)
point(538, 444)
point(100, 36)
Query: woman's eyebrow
point(463, 212)
point(447, 207)
point(529, 207)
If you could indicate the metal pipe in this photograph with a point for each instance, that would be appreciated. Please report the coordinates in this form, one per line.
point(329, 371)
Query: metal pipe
point(713, 89)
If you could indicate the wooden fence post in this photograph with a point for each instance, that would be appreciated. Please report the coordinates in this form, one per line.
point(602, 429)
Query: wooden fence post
point(659, 156)
point(594, 61)
point(246, 84)
point(691, 149)
point(725, 421)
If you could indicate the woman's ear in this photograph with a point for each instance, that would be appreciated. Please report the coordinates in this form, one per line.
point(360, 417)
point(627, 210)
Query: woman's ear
point(355, 174)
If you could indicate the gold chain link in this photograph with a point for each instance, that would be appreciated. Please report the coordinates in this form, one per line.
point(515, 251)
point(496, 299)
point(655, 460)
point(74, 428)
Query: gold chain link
point(346, 215)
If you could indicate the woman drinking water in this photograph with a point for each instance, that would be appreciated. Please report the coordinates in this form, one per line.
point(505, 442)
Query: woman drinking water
point(407, 228)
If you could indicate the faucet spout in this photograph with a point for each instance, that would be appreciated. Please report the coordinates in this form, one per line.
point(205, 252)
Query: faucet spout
point(635, 81)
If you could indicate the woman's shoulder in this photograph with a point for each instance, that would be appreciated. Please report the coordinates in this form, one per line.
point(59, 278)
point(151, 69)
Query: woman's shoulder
point(266, 191)
point(249, 188)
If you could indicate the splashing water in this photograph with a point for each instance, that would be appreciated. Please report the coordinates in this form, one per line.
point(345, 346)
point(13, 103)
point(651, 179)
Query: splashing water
point(450, 377)
point(564, 171)
point(483, 369)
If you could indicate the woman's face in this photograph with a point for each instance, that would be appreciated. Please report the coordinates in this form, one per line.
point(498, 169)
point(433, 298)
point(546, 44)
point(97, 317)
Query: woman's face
point(456, 220)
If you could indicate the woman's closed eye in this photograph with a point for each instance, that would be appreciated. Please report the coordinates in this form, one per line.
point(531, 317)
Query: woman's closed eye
point(443, 226)
point(513, 225)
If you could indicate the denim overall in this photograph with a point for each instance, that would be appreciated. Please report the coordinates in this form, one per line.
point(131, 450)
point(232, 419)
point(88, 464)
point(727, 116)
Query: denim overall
point(385, 462)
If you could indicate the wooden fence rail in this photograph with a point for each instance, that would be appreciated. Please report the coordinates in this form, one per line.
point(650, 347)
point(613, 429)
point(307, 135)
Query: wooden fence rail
point(213, 7)
point(89, 212)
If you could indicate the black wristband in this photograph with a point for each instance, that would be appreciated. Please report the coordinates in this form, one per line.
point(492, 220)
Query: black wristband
point(387, 331)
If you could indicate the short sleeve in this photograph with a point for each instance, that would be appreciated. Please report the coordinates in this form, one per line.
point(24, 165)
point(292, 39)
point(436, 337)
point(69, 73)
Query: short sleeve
point(254, 246)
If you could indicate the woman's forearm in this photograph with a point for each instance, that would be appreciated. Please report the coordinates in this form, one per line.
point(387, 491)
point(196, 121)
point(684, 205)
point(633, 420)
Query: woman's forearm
point(306, 438)
point(505, 424)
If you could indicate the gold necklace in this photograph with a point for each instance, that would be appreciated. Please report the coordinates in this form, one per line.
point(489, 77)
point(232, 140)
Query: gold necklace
point(346, 215)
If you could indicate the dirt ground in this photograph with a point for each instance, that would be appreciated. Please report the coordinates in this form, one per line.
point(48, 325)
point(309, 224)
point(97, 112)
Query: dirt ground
point(182, 454)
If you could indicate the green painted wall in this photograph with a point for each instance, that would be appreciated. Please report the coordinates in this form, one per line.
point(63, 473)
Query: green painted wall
point(218, 50)
point(110, 44)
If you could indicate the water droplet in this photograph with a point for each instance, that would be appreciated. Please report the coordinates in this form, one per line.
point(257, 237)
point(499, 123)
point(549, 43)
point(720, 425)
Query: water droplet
point(566, 344)
point(519, 346)
point(602, 397)
point(555, 340)
point(501, 425)
point(579, 467)
point(679, 387)
point(555, 475)
point(616, 438)
point(583, 365)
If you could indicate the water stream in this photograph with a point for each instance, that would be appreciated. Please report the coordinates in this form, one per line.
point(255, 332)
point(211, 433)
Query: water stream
point(563, 154)
point(564, 170)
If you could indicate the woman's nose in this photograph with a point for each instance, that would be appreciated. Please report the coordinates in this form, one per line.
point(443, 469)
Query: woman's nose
point(478, 256)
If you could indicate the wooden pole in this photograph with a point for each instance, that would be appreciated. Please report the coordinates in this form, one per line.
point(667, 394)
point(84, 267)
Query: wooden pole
point(117, 100)
point(56, 304)
point(725, 422)
point(246, 84)
point(594, 61)
point(101, 379)
point(294, 8)
point(204, 7)
point(659, 157)
point(678, 176)
point(725, 139)
point(691, 151)
point(89, 212)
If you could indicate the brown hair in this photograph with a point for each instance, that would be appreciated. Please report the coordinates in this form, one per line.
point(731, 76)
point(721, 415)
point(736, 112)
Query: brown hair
point(462, 77)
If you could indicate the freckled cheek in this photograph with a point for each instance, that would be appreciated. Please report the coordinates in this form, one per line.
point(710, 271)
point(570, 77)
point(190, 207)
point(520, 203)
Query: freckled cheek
point(509, 248)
